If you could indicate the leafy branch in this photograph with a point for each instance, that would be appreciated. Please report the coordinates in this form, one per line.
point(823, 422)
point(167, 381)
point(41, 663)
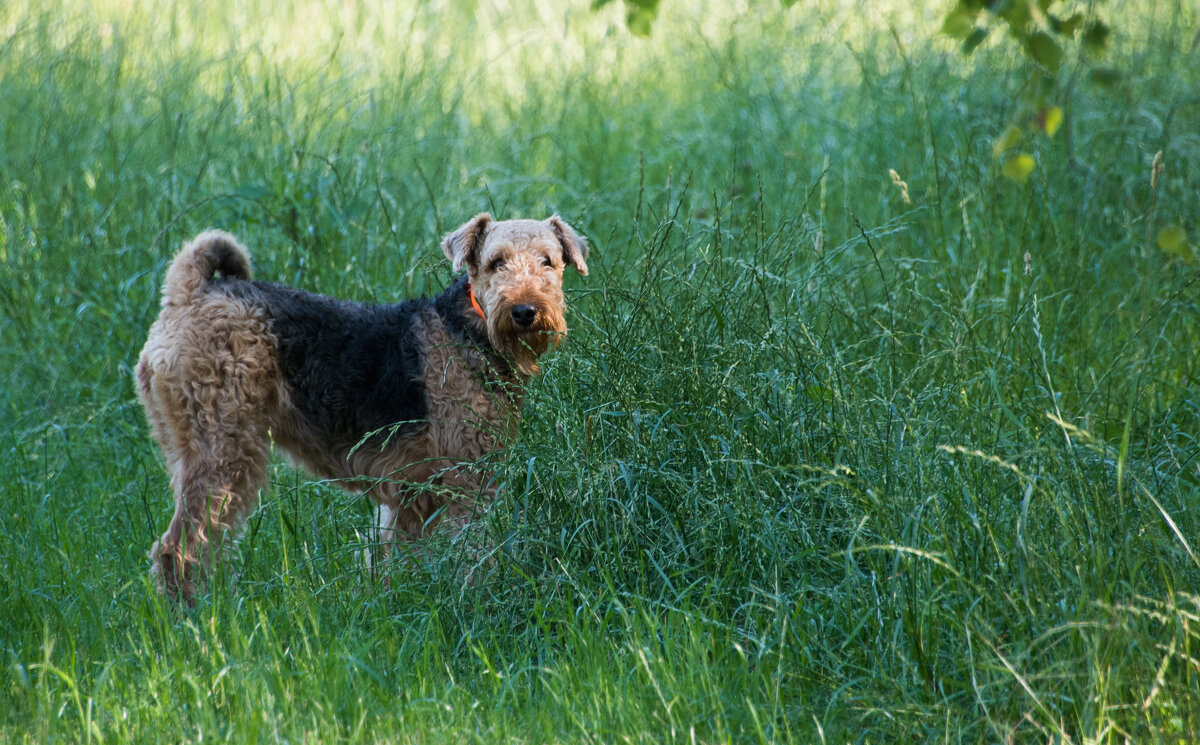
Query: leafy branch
point(1045, 30)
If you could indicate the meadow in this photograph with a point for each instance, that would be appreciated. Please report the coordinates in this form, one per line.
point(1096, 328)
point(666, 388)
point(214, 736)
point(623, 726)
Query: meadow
point(824, 458)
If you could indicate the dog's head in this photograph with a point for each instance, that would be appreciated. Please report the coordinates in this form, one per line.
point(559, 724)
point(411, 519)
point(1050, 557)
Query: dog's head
point(516, 270)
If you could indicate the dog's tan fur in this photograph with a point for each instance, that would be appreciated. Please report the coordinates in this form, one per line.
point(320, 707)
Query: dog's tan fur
point(217, 389)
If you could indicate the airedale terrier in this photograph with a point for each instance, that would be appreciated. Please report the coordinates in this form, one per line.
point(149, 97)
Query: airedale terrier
point(394, 400)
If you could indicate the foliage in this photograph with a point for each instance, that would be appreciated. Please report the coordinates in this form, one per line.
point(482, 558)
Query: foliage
point(1041, 28)
point(639, 14)
point(1044, 30)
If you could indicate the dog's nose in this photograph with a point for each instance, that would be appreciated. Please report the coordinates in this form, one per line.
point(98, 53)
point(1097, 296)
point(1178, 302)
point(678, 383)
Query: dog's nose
point(524, 314)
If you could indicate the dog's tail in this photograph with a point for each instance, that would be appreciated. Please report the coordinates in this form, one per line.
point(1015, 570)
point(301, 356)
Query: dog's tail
point(210, 252)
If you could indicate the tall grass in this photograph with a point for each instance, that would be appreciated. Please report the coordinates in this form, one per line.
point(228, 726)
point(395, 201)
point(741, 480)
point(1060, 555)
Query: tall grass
point(816, 463)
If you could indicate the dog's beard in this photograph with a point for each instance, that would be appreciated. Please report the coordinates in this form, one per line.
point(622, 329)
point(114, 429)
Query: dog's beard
point(523, 345)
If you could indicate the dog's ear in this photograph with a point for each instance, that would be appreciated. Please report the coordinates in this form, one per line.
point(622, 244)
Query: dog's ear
point(575, 248)
point(462, 246)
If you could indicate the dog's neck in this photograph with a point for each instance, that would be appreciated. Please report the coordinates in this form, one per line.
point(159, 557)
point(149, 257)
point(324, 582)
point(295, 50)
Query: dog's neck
point(464, 318)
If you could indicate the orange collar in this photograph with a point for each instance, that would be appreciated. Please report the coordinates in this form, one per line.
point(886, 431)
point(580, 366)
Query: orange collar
point(474, 302)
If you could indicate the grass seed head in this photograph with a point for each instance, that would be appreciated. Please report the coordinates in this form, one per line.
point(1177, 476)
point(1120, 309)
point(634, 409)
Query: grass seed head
point(900, 183)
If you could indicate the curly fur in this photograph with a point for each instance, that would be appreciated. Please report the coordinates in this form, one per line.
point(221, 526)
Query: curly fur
point(394, 400)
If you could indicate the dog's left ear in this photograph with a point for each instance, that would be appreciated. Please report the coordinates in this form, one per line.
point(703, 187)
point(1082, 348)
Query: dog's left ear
point(462, 246)
point(575, 248)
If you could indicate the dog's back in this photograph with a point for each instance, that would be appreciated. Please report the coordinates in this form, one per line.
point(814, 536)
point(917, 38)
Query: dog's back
point(353, 373)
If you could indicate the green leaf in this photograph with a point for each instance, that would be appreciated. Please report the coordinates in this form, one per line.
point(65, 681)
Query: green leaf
point(787, 3)
point(1049, 119)
point(640, 20)
point(1105, 76)
point(1095, 38)
point(820, 394)
point(1006, 141)
point(959, 23)
point(1173, 240)
point(1018, 167)
point(974, 40)
point(1044, 50)
point(1017, 13)
point(1068, 26)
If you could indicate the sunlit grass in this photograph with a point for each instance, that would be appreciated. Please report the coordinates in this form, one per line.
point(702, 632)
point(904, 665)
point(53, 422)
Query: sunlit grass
point(823, 458)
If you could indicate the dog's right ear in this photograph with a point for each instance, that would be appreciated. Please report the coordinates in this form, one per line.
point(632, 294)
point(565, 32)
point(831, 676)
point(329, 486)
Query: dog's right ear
point(462, 246)
point(574, 246)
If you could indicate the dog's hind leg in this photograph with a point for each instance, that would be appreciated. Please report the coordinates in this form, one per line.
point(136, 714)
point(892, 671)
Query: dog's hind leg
point(212, 499)
point(211, 413)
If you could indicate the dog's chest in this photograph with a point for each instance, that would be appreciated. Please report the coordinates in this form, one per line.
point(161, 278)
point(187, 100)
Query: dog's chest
point(470, 408)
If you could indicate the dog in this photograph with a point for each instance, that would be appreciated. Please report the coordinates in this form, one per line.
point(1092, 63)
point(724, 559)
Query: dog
point(398, 401)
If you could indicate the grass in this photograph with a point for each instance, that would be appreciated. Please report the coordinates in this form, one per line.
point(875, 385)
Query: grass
point(815, 465)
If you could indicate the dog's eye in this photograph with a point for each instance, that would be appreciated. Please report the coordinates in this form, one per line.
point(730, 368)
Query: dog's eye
point(546, 261)
point(496, 265)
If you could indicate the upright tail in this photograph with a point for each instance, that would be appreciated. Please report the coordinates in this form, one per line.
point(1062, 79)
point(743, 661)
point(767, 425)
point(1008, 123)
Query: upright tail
point(210, 252)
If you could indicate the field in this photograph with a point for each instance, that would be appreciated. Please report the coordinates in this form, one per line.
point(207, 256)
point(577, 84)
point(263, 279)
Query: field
point(830, 455)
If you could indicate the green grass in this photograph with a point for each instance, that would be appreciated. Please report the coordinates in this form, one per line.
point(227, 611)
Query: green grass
point(814, 465)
